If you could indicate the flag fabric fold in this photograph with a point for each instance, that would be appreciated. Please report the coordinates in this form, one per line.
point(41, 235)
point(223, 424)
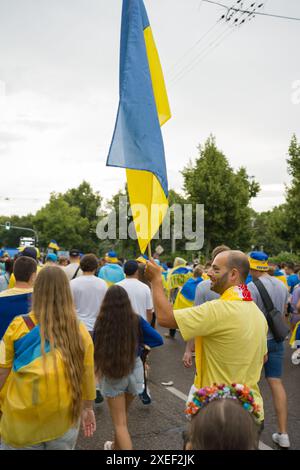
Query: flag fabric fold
point(10, 307)
point(137, 142)
point(186, 295)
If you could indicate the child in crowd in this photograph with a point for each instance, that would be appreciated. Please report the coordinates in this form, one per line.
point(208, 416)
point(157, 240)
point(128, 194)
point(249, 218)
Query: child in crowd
point(223, 418)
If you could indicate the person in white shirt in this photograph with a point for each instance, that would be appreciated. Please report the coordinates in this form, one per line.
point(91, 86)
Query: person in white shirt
point(88, 291)
point(138, 292)
point(73, 269)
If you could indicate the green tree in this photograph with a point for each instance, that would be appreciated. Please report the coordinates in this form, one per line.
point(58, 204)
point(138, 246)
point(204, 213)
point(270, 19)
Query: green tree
point(225, 194)
point(270, 231)
point(62, 222)
point(83, 197)
point(293, 195)
point(89, 203)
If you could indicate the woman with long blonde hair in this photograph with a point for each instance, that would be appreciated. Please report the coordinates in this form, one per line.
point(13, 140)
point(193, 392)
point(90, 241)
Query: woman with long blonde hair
point(47, 371)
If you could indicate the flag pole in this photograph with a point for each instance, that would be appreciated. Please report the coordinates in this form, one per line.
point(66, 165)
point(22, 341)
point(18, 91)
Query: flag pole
point(149, 250)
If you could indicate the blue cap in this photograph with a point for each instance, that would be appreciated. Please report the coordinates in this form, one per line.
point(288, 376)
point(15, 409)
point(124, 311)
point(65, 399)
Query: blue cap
point(258, 261)
point(111, 273)
point(259, 255)
point(51, 257)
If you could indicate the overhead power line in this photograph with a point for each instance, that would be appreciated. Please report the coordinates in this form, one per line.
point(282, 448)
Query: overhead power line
point(248, 11)
point(231, 22)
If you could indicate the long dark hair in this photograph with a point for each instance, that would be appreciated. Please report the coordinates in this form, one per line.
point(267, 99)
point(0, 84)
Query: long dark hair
point(116, 335)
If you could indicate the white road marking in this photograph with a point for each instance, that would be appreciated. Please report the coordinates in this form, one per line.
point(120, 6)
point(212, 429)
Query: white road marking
point(262, 446)
point(184, 397)
point(177, 393)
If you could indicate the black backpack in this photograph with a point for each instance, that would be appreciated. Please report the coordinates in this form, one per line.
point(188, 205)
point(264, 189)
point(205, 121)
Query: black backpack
point(274, 318)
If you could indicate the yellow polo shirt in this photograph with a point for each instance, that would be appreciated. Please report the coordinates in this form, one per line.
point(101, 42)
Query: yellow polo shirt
point(234, 341)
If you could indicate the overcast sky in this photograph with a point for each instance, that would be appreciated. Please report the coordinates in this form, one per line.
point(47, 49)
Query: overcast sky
point(59, 64)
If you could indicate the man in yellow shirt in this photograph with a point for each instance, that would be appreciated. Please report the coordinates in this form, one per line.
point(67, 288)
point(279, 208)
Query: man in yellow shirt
point(230, 333)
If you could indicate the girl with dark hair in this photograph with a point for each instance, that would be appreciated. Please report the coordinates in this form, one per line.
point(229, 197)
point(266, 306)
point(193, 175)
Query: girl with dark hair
point(119, 336)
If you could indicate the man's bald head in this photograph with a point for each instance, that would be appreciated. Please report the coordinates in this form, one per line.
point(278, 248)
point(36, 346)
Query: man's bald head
point(238, 259)
point(229, 268)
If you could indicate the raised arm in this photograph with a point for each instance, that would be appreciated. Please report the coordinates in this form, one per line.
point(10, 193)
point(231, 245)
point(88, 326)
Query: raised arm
point(163, 308)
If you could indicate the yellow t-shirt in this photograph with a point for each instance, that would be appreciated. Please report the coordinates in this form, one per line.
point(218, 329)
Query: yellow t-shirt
point(35, 408)
point(234, 341)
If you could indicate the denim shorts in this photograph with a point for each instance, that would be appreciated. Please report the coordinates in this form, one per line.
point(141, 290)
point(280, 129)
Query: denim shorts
point(65, 442)
point(274, 365)
point(132, 383)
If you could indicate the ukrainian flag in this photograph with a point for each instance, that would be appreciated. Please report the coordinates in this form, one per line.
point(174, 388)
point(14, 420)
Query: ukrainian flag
point(137, 143)
point(281, 277)
point(53, 245)
point(178, 276)
point(10, 307)
point(296, 335)
point(186, 296)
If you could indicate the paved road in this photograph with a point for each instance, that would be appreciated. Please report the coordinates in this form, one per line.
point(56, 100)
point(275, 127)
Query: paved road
point(159, 426)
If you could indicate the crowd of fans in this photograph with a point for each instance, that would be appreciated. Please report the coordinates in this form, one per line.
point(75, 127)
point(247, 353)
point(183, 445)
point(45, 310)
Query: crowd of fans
point(77, 330)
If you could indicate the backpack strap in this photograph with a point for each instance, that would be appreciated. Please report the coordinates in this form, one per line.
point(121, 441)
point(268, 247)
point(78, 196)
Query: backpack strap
point(29, 323)
point(7, 280)
point(75, 274)
point(267, 301)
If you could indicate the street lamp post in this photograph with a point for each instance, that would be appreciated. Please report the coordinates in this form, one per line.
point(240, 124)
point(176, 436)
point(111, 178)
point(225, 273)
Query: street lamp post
point(8, 227)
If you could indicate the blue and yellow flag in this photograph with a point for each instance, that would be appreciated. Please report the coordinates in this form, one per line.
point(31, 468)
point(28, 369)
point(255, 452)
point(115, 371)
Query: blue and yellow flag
point(186, 296)
point(281, 277)
point(10, 307)
point(137, 143)
point(178, 276)
point(295, 335)
point(53, 245)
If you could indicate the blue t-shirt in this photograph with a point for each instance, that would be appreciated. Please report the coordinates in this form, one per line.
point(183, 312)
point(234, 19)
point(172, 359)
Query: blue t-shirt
point(292, 281)
point(150, 337)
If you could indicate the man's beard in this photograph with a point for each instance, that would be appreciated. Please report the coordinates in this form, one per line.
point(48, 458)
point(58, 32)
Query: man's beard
point(220, 285)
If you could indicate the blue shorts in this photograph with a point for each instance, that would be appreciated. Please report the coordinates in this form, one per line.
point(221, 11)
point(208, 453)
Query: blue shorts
point(132, 383)
point(274, 365)
point(66, 442)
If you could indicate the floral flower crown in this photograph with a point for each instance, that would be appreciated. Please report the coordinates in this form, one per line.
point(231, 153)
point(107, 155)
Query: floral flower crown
point(235, 391)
